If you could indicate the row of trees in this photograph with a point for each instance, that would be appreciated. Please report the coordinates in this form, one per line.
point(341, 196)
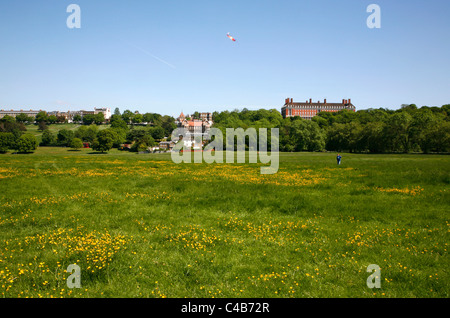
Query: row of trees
point(408, 129)
point(22, 143)
point(127, 118)
point(12, 136)
point(99, 140)
point(121, 131)
point(105, 139)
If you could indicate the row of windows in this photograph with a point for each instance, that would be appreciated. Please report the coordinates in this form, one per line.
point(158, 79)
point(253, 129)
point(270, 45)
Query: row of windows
point(304, 113)
point(317, 107)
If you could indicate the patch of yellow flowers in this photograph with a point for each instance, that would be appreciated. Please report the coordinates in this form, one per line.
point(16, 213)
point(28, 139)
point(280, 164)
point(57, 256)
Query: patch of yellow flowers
point(92, 251)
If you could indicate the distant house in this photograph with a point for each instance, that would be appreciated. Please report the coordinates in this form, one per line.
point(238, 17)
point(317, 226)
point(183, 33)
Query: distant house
point(86, 145)
point(167, 145)
point(195, 128)
point(125, 147)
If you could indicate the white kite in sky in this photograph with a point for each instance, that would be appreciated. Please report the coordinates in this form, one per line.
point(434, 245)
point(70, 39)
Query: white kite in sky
point(230, 37)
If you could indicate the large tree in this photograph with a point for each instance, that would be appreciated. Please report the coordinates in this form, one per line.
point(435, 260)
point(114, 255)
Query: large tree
point(26, 143)
point(23, 118)
point(87, 133)
point(119, 123)
point(76, 143)
point(168, 124)
point(48, 138)
point(303, 135)
point(52, 119)
point(157, 133)
point(398, 131)
point(104, 141)
point(6, 141)
point(41, 116)
point(99, 118)
point(77, 118)
point(127, 116)
point(88, 119)
point(137, 119)
point(64, 137)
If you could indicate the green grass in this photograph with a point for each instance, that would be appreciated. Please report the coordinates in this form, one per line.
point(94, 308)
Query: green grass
point(142, 226)
point(55, 128)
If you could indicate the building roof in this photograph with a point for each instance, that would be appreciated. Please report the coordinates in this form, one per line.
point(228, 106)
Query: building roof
point(195, 123)
point(345, 102)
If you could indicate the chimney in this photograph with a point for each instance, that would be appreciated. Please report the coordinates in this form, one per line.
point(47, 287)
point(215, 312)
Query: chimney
point(349, 101)
point(292, 100)
point(310, 100)
point(343, 101)
point(325, 101)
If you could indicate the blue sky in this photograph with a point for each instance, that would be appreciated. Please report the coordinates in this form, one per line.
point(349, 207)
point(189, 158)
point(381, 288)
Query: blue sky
point(171, 56)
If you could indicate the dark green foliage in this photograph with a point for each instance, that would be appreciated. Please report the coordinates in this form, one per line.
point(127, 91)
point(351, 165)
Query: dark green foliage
point(140, 138)
point(88, 119)
point(409, 129)
point(153, 119)
point(26, 143)
point(7, 141)
point(41, 116)
point(42, 126)
point(99, 119)
point(168, 124)
point(48, 138)
point(157, 132)
point(302, 135)
point(118, 123)
point(7, 119)
point(52, 119)
point(127, 116)
point(104, 141)
point(76, 143)
point(119, 136)
point(12, 126)
point(23, 118)
point(77, 118)
point(65, 137)
point(137, 119)
point(87, 133)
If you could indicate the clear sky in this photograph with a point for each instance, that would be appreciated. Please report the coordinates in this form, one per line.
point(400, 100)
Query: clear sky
point(171, 56)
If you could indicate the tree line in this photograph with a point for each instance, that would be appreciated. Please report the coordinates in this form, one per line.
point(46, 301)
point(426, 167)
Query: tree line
point(121, 130)
point(408, 129)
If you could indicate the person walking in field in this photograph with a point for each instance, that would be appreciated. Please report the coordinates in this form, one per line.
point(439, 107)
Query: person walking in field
point(338, 158)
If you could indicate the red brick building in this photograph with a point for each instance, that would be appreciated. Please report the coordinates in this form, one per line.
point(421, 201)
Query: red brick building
point(308, 109)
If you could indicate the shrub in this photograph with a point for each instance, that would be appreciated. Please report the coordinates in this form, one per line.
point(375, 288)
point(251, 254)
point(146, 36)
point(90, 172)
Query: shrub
point(76, 143)
point(65, 137)
point(6, 142)
point(104, 141)
point(48, 138)
point(26, 143)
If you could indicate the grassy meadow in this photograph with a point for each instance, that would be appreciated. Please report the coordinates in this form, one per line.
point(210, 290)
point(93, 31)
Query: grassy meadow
point(139, 225)
point(55, 128)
